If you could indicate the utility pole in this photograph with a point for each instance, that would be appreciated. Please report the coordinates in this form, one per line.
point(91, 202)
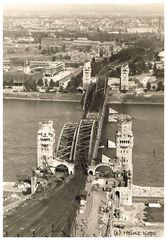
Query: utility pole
point(109, 223)
point(52, 230)
point(6, 230)
point(108, 230)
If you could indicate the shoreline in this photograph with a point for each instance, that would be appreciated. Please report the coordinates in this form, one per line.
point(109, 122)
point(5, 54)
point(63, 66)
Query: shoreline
point(42, 99)
point(78, 101)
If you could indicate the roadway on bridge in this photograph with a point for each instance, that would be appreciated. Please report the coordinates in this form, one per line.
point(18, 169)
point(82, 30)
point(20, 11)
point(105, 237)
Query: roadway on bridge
point(39, 215)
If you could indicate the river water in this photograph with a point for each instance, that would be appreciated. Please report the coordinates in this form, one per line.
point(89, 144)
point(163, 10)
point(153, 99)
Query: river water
point(20, 126)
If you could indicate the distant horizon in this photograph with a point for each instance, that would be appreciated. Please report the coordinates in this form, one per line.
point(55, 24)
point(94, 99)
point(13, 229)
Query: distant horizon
point(93, 7)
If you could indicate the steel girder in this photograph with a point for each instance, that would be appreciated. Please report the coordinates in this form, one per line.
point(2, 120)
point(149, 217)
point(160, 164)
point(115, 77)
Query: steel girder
point(66, 143)
point(101, 85)
point(84, 141)
point(99, 93)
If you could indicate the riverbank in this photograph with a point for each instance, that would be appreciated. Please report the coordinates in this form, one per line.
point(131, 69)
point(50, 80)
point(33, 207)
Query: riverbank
point(35, 96)
point(153, 98)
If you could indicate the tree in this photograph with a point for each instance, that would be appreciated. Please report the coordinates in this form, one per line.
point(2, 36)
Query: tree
point(54, 58)
point(150, 65)
point(153, 87)
point(101, 53)
point(148, 86)
point(61, 89)
point(115, 73)
point(74, 83)
point(39, 47)
point(8, 82)
point(43, 51)
point(30, 85)
point(159, 73)
point(63, 47)
point(46, 83)
point(52, 83)
point(93, 60)
point(160, 86)
point(27, 49)
point(96, 67)
point(57, 84)
point(40, 82)
point(132, 68)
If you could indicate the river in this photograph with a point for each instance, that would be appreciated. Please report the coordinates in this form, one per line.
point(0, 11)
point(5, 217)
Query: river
point(20, 126)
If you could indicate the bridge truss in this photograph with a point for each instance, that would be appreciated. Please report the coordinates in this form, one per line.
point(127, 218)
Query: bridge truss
point(84, 142)
point(94, 96)
point(66, 142)
point(100, 91)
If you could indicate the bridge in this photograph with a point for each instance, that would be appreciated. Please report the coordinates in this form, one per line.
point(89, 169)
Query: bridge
point(77, 148)
point(75, 145)
point(78, 142)
point(65, 146)
point(92, 169)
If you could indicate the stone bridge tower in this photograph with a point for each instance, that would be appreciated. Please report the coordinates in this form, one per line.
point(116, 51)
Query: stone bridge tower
point(45, 144)
point(124, 86)
point(86, 75)
point(124, 141)
point(124, 146)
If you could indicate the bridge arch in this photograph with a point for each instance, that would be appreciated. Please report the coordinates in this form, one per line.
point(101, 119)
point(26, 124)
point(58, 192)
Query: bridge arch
point(84, 142)
point(61, 165)
point(92, 170)
point(66, 142)
point(57, 163)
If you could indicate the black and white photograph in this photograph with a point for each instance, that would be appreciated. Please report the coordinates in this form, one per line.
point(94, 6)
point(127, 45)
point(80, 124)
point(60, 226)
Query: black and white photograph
point(83, 118)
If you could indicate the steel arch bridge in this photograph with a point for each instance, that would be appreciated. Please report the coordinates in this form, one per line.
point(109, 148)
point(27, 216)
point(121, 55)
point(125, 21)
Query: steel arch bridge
point(65, 146)
point(77, 140)
point(85, 142)
point(94, 95)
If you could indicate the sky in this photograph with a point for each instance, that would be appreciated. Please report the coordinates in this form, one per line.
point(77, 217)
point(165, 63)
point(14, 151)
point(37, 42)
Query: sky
point(69, 6)
point(85, 1)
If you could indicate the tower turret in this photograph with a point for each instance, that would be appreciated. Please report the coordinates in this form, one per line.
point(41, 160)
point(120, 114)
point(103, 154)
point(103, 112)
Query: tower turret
point(124, 141)
point(45, 144)
point(86, 75)
point(124, 78)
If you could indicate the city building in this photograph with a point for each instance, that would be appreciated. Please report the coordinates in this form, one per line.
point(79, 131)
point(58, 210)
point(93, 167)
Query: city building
point(53, 69)
point(141, 30)
point(146, 79)
point(50, 42)
point(114, 84)
point(161, 61)
point(17, 79)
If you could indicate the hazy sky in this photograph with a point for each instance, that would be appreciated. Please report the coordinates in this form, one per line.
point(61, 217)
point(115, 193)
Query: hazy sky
point(86, 1)
point(126, 7)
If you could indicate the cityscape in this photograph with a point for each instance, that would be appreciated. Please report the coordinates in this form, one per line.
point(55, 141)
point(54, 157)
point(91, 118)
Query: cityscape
point(83, 120)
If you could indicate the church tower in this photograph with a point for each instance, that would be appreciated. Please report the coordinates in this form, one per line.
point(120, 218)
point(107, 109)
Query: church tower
point(86, 75)
point(45, 144)
point(124, 78)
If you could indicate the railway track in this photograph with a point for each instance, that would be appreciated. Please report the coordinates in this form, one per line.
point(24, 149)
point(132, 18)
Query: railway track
point(57, 210)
